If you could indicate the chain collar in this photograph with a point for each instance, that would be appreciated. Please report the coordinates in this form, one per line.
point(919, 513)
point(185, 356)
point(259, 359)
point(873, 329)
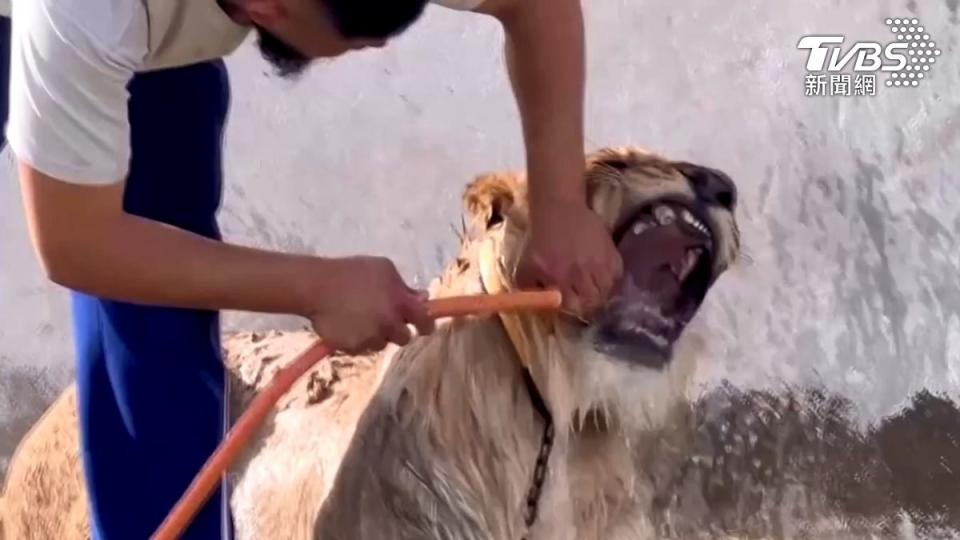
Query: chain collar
point(543, 456)
point(491, 279)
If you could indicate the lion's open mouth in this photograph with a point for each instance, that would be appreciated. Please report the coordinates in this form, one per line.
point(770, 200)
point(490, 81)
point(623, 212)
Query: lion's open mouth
point(667, 251)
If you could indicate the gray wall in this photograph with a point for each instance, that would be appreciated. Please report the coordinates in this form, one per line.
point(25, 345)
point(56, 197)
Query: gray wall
point(849, 205)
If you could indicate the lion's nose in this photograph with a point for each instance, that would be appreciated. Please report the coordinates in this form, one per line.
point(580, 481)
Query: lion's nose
point(712, 186)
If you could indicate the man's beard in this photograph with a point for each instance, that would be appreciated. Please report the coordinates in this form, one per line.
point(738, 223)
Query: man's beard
point(287, 62)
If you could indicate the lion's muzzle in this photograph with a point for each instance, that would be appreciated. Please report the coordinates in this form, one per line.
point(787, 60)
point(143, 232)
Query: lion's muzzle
point(668, 251)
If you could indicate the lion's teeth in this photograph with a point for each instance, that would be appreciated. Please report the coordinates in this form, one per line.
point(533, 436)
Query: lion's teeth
point(664, 214)
point(658, 339)
point(639, 227)
point(689, 261)
point(694, 222)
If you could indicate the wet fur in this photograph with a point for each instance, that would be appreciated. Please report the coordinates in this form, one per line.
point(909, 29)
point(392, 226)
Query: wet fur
point(446, 447)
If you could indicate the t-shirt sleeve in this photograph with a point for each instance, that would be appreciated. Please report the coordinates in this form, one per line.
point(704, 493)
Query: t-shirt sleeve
point(68, 93)
point(465, 5)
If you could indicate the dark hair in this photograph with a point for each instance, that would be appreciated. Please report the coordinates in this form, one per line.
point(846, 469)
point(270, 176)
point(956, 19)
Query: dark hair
point(371, 19)
point(286, 60)
point(375, 19)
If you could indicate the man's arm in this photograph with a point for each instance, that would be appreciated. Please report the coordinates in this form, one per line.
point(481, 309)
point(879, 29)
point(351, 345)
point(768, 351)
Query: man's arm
point(69, 130)
point(85, 241)
point(570, 247)
point(544, 51)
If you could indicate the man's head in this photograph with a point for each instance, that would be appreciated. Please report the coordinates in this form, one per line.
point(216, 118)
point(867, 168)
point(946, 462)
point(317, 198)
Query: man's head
point(291, 33)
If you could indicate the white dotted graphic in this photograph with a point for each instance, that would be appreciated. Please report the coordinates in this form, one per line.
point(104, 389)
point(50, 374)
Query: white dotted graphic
point(921, 50)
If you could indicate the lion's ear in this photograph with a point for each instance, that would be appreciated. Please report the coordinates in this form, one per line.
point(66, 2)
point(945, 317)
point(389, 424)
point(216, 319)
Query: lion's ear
point(490, 197)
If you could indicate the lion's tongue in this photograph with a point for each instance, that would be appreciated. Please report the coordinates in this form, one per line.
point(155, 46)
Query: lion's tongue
point(649, 293)
point(650, 261)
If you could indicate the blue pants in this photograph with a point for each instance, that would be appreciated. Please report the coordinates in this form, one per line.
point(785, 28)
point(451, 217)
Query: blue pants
point(150, 380)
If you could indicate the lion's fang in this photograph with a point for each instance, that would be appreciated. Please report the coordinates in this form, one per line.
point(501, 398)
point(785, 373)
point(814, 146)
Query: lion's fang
point(689, 261)
point(664, 214)
point(639, 227)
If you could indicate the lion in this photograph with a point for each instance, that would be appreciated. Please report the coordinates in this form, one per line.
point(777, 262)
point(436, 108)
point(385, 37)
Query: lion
point(543, 425)
point(442, 437)
point(534, 425)
point(451, 440)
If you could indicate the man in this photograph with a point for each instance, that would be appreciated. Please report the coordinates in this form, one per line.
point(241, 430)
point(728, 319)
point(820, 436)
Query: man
point(117, 109)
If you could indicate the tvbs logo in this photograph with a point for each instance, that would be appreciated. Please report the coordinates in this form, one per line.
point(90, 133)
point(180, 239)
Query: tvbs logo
point(907, 60)
point(826, 54)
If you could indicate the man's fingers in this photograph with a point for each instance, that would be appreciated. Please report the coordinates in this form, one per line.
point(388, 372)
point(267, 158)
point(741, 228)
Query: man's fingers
point(605, 276)
point(615, 266)
point(571, 299)
point(369, 346)
point(587, 291)
point(415, 312)
point(535, 273)
point(604, 285)
point(376, 345)
point(421, 295)
point(397, 332)
point(527, 277)
point(606, 273)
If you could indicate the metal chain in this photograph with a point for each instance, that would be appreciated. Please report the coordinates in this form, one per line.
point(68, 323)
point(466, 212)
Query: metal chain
point(539, 475)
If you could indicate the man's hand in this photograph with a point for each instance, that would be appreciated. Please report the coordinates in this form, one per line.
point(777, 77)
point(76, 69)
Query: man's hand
point(571, 249)
point(86, 242)
point(359, 304)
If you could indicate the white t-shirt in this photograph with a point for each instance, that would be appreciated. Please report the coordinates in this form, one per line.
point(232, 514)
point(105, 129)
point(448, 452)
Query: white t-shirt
point(70, 64)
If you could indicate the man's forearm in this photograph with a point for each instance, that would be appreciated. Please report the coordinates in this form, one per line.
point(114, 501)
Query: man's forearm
point(545, 59)
point(142, 261)
point(87, 244)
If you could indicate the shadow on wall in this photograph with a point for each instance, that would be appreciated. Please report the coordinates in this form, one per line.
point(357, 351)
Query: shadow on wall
point(762, 463)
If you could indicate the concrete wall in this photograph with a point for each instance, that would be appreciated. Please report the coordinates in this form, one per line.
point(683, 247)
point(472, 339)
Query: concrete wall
point(849, 205)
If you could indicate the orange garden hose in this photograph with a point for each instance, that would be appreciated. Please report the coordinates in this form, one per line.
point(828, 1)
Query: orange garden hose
point(206, 480)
